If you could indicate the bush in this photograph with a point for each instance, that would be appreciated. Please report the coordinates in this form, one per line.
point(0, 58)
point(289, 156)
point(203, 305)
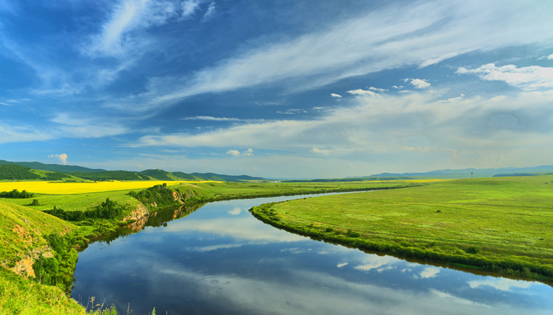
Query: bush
point(16, 194)
point(473, 250)
point(107, 210)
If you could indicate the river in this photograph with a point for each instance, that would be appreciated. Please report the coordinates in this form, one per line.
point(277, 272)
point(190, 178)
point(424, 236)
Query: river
point(221, 260)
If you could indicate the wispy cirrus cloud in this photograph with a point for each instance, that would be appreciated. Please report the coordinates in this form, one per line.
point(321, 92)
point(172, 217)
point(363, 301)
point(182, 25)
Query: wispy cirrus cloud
point(64, 126)
point(211, 118)
point(389, 38)
point(116, 38)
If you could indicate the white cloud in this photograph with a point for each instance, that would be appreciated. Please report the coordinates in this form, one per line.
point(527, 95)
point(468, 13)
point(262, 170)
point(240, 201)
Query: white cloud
point(71, 127)
point(10, 134)
point(419, 84)
point(62, 157)
point(526, 78)
point(422, 126)
point(248, 152)
point(372, 88)
point(397, 87)
point(375, 262)
point(210, 11)
point(235, 211)
point(420, 33)
point(502, 284)
point(292, 111)
point(318, 293)
point(362, 92)
point(550, 57)
point(233, 152)
point(342, 265)
point(429, 272)
point(211, 118)
point(335, 95)
point(320, 151)
point(189, 7)
point(446, 297)
point(115, 38)
point(5, 104)
point(237, 227)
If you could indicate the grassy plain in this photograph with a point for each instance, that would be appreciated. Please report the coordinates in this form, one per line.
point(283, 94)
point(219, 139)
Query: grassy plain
point(503, 224)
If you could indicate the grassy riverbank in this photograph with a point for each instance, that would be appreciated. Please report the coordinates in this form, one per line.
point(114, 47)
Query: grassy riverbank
point(26, 231)
point(497, 224)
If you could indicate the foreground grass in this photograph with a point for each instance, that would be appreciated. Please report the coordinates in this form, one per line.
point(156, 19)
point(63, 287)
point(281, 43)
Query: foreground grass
point(499, 224)
point(23, 296)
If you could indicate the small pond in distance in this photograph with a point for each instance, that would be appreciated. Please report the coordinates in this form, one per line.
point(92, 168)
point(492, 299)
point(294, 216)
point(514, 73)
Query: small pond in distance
point(221, 260)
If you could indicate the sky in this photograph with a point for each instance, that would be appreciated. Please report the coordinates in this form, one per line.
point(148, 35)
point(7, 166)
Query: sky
point(277, 88)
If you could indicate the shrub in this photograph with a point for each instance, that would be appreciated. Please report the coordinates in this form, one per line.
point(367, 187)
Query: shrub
point(473, 250)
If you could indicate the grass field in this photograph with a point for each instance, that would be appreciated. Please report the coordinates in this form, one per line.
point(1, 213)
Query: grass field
point(482, 221)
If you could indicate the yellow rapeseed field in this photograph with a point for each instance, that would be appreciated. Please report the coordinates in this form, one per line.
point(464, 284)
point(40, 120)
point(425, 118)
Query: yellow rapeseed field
point(78, 188)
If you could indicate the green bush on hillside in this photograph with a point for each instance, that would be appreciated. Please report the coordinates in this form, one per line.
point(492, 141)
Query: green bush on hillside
point(16, 194)
point(58, 270)
point(109, 209)
point(158, 195)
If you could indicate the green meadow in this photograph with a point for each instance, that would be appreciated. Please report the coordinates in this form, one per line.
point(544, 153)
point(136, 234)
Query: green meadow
point(499, 224)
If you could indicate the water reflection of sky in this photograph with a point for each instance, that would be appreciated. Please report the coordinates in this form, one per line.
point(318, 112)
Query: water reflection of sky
point(220, 259)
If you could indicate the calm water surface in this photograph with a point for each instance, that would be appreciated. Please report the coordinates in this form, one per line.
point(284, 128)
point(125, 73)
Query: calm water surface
point(221, 260)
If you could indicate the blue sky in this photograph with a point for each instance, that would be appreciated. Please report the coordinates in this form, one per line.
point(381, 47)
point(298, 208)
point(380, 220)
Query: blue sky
point(287, 89)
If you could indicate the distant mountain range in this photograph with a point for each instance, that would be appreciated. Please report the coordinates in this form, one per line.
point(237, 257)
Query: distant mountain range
point(466, 173)
point(447, 174)
point(37, 170)
point(79, 172)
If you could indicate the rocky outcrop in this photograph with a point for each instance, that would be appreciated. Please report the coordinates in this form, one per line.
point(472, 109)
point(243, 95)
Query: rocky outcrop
point(177, 197)
point(24, 267)
point(137, 214)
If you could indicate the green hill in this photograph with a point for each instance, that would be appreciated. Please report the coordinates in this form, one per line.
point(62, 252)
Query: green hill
point(225, 178)
point(16, 172)
point(185, 176)
point(158, 174)
point(110, 175)
point(52, 167)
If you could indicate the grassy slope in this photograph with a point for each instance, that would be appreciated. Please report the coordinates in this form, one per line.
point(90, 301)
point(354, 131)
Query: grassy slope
point(507, 218)
point(22, 296)
point(17, 242)
point(17, 294)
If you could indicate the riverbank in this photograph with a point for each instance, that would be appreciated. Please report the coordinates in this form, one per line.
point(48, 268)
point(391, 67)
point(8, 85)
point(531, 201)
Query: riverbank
point(186, 194)
point(502, 225)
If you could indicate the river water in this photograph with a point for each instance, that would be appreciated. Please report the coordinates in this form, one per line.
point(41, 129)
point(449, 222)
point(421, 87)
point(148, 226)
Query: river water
point(219, 259)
